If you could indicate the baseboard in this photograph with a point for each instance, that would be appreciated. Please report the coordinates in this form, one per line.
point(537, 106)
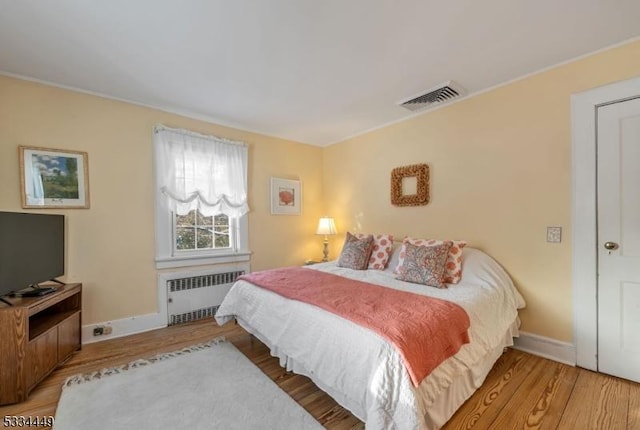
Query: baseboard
point(124, 327)
point(546, 347)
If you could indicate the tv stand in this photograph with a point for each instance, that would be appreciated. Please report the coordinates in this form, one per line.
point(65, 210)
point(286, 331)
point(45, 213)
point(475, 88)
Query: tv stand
point(38, 334)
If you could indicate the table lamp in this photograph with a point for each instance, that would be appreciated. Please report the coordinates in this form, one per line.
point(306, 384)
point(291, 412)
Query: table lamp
point(326, 226)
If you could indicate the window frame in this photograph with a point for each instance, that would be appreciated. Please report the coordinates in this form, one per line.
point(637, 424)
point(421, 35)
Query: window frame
point(167, 257)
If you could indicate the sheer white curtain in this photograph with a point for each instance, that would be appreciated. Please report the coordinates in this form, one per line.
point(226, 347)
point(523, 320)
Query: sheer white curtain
point(201, 172)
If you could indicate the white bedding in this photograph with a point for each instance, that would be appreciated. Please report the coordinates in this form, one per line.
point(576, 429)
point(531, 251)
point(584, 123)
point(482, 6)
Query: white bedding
point(360, 369)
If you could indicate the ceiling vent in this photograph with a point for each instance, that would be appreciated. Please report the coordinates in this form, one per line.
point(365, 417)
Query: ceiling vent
point(441, 94)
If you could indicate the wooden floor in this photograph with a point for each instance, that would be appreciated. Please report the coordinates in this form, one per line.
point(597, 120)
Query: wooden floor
point(521, 392)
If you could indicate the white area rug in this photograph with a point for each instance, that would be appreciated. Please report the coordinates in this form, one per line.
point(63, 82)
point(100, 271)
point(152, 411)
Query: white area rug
point(208, 386)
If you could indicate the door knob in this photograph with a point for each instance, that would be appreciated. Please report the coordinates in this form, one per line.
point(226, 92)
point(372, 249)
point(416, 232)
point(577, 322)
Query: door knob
point(610, 246)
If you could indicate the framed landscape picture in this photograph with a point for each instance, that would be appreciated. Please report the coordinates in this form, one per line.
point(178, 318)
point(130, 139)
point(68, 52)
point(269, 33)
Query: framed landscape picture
point(286, 197)
point(53, 178)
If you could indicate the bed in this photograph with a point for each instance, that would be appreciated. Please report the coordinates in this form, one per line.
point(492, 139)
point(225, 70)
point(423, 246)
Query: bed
point(361, 370)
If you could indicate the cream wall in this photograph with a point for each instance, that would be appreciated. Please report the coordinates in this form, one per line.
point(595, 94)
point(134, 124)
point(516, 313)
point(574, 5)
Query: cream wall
point(110, 247)
point(500, 173)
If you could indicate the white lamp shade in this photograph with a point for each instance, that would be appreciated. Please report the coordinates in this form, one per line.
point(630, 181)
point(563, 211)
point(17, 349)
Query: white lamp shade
point(326, 226)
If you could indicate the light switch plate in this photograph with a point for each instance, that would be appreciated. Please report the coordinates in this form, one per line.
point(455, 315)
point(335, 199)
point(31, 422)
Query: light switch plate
point(554, 234)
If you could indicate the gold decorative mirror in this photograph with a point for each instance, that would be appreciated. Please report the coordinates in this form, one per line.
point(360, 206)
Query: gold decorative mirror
point(410, 185)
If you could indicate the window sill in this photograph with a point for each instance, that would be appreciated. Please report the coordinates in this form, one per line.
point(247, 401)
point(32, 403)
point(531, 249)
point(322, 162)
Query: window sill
point(201, 260)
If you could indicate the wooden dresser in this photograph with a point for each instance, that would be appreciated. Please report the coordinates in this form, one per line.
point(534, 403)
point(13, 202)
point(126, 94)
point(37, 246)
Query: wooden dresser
point(36, 335)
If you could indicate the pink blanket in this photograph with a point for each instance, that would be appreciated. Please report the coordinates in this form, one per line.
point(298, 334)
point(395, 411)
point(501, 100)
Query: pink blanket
point(425, 331)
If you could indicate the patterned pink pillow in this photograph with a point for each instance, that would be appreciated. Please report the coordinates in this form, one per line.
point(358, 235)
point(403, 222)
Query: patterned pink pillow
point(425, 264)
point(382, 247)
point(453, 269)
point(355, 252)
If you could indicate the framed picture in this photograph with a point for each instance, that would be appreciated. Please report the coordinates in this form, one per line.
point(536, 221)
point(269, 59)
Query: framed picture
point(53, 178)
point(286, 197)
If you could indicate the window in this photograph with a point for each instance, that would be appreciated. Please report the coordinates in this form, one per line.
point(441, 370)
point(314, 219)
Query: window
point(195, 231)
point(201, 199)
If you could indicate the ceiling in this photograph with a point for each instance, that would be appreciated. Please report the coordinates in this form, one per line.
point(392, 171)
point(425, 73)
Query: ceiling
point(313, 71)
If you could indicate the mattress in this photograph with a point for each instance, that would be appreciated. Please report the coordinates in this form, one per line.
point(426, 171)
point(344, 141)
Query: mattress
point(360, 369)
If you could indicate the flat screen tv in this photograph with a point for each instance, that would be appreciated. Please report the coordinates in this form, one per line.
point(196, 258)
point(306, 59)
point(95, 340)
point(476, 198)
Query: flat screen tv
point(31, 249)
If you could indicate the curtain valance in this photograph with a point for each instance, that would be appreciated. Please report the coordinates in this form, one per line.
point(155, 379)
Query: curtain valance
point(196, 171)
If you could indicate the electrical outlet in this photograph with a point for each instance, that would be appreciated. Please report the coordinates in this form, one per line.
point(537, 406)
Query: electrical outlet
point(107, 329)
point(554, 234)
point(98, 331)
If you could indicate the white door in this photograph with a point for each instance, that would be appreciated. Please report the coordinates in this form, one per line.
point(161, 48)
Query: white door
point(618, 139)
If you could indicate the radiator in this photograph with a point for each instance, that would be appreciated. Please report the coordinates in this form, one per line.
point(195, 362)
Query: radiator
point(190, 298)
